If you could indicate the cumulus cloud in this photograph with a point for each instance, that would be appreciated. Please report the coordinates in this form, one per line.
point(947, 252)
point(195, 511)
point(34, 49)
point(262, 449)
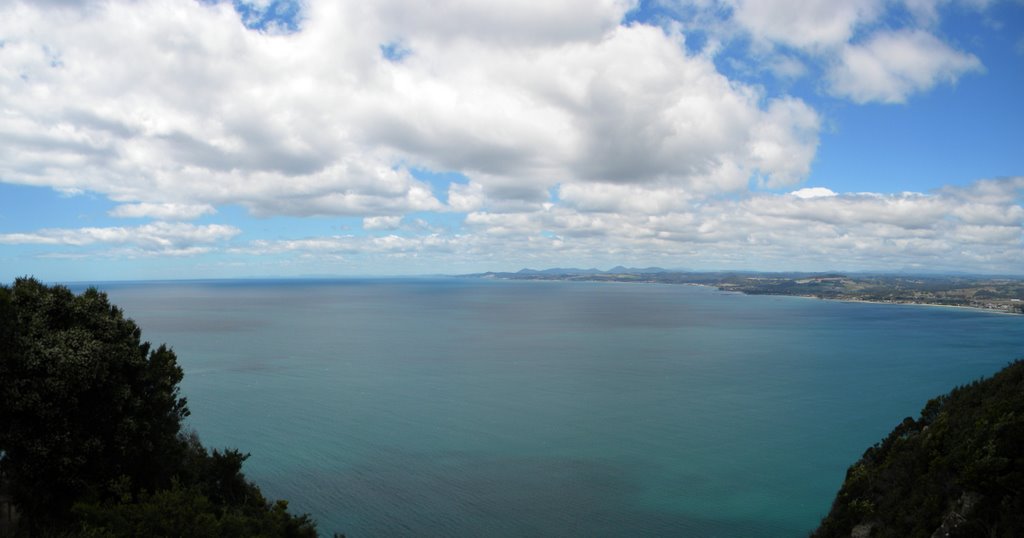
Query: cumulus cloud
point(520, 98)
point(576, 137)
point(674, 118)
point(866, 58)
point(318, 121)
point(892, 65)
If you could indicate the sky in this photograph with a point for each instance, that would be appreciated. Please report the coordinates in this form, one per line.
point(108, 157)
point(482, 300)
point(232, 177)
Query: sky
point(167, 139)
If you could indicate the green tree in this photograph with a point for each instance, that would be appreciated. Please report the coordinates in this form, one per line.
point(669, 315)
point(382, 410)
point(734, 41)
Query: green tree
point(83, 400)
point(90, 414)
point(955, 471)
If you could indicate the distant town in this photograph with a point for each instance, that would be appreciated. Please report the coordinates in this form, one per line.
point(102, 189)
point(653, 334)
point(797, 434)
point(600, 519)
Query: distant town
point(1003, 294)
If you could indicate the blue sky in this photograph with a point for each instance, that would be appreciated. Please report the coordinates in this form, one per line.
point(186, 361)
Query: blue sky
point(167, 139)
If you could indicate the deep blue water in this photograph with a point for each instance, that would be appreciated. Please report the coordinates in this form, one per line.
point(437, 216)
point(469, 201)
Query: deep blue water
point(454, 407)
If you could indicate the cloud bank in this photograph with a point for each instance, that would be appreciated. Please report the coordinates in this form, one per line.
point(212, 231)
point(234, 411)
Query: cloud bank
point(576, 135)
point(981, 225)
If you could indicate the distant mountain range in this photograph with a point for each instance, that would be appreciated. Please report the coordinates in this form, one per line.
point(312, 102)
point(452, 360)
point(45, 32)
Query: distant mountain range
point(617, 270)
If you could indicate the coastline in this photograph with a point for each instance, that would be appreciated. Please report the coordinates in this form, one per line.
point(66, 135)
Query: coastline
point(835, 286)
point(904, 303)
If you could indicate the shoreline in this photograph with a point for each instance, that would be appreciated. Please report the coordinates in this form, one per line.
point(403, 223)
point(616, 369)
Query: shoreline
point(904, 303)
point(582, 278)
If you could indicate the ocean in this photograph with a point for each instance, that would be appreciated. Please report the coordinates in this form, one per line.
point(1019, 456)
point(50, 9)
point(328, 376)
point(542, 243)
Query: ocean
point(473, 407)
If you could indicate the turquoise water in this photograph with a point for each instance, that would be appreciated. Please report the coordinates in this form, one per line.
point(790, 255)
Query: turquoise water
point(451, 407)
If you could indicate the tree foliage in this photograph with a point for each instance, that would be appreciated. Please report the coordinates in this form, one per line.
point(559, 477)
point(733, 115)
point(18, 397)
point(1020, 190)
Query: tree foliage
point(91, 429)
point(959, 467)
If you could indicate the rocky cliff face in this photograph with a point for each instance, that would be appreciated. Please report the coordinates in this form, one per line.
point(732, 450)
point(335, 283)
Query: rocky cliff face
point(956, 471)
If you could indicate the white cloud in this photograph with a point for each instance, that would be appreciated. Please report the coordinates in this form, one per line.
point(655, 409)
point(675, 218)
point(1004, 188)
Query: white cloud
point(871, 50)
point(166, 211)
point(892, 65)
point(908, 210)
point(844, 231)
point(783, 146)
point(977, 227)
point(182, 106)
point(466, 197)
point(812, 192)
point(526, 22)
point(610, 198)
point(674, 118)
point(927, 12)
point(382, 223)
point(810, 24)
point(343, 246)
point(581, 139)
point(161, 237)
point(993, 191)
point(786, 67)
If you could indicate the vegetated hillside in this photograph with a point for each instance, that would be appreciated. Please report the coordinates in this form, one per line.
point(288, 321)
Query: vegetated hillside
point(956, 471)
point(91, 439)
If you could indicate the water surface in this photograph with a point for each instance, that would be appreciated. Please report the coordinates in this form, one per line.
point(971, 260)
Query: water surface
point(455, 407)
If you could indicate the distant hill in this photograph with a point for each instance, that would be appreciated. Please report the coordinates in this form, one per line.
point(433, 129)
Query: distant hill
point(592, 271)
point(559, 271)
point(956, 471)
point(636, 270)
point(991, 293)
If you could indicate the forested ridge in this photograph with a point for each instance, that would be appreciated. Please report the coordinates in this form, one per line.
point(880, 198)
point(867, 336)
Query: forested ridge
point(956, 471)
point(91, 432)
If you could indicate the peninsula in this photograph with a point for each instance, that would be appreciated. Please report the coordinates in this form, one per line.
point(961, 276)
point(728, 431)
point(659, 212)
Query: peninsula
point(1002, 294)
